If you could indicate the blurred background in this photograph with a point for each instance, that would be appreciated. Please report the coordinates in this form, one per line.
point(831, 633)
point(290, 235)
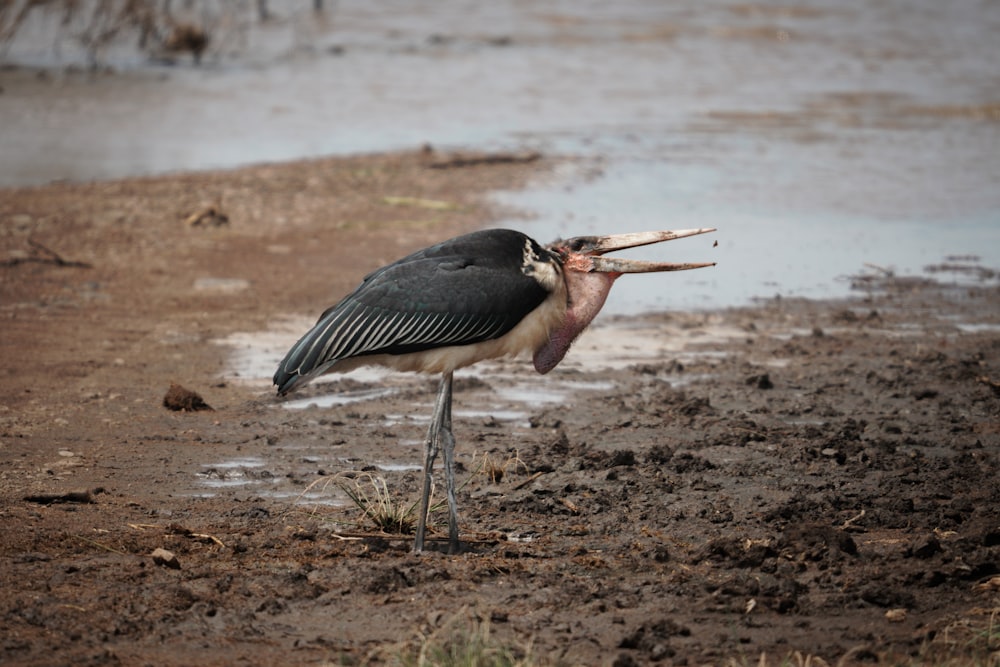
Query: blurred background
point(826, 140)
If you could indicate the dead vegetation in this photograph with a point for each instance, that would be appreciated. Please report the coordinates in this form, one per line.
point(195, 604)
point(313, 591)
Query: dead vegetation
point(160, 29)
point(41, 254)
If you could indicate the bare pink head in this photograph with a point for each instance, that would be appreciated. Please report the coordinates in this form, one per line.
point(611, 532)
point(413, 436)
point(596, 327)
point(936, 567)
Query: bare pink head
point(589, 277)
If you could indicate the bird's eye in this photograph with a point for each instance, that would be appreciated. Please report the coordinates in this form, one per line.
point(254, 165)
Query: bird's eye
point(579, 243)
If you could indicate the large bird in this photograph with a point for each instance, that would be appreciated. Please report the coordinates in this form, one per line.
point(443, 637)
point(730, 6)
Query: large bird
point(483, 295)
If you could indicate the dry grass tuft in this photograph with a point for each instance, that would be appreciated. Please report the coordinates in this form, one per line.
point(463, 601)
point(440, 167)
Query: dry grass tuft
point(371, 495)
point(495, 470)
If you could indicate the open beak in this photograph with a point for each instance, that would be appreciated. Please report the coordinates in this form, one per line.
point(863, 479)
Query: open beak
point(596, 246)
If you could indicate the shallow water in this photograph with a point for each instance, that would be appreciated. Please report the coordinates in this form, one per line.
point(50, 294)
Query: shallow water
point(817, 138)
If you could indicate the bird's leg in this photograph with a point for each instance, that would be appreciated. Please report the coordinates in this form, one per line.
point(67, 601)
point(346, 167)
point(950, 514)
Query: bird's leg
point(449, 469)
point(442, 408)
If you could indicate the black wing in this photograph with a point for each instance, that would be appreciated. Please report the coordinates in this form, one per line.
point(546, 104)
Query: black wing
point(466, 290)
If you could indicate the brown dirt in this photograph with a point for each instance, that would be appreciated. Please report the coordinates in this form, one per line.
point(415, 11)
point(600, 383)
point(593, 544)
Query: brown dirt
point(798, 476)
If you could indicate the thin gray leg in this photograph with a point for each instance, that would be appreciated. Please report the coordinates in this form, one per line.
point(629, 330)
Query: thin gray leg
point(449, 470)
point(442, 407)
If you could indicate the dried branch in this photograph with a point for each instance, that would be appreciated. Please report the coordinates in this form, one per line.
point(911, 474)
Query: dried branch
point(459, 160)
point(44, 255)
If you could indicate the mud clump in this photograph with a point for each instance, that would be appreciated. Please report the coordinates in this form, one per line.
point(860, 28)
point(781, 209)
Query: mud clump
point(181, 399)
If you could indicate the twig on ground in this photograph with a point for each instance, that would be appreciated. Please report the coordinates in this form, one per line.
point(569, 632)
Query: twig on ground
point(44, 255)
point(457, 160)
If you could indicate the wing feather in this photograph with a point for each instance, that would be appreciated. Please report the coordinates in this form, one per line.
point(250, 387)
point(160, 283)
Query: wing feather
point(383, 334)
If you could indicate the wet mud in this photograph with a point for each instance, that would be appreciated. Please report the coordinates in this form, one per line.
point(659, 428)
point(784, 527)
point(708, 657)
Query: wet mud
point(796, 476)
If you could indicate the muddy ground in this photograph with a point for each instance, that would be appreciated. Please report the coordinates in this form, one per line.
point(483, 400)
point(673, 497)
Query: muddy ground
point(793, 477)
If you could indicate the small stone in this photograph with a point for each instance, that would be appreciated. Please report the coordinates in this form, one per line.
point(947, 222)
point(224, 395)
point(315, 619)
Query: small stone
point(210, 216)
point(166, 558)
point(925, 547)
point(659, 652)
point(895, 615)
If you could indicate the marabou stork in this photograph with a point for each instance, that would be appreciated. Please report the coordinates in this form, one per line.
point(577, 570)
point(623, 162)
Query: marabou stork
point(484, 295)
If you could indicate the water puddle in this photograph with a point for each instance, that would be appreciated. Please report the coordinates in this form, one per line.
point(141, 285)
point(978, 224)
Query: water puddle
point(311, 498)
point(340, 398)
point(686, 380)
point(495, 415)
point(397, 467)
point(546, 391)
point(235, 473)
point(967, 327)
point(237, 464)
point(617, 343)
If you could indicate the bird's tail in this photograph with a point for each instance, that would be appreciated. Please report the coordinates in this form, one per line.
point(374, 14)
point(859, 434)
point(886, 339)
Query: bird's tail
point(307, 359)
point(286, 381)
point(293, 371)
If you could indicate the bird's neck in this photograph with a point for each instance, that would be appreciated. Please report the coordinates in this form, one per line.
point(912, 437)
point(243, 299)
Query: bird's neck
point(588, 292)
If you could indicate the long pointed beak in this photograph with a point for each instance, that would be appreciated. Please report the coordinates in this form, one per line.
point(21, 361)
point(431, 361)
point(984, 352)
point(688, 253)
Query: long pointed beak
point(596, 246)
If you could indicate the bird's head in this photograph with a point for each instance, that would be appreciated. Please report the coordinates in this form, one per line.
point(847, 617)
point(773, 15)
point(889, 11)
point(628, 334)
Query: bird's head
point(585, 254)
point(588, 277)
